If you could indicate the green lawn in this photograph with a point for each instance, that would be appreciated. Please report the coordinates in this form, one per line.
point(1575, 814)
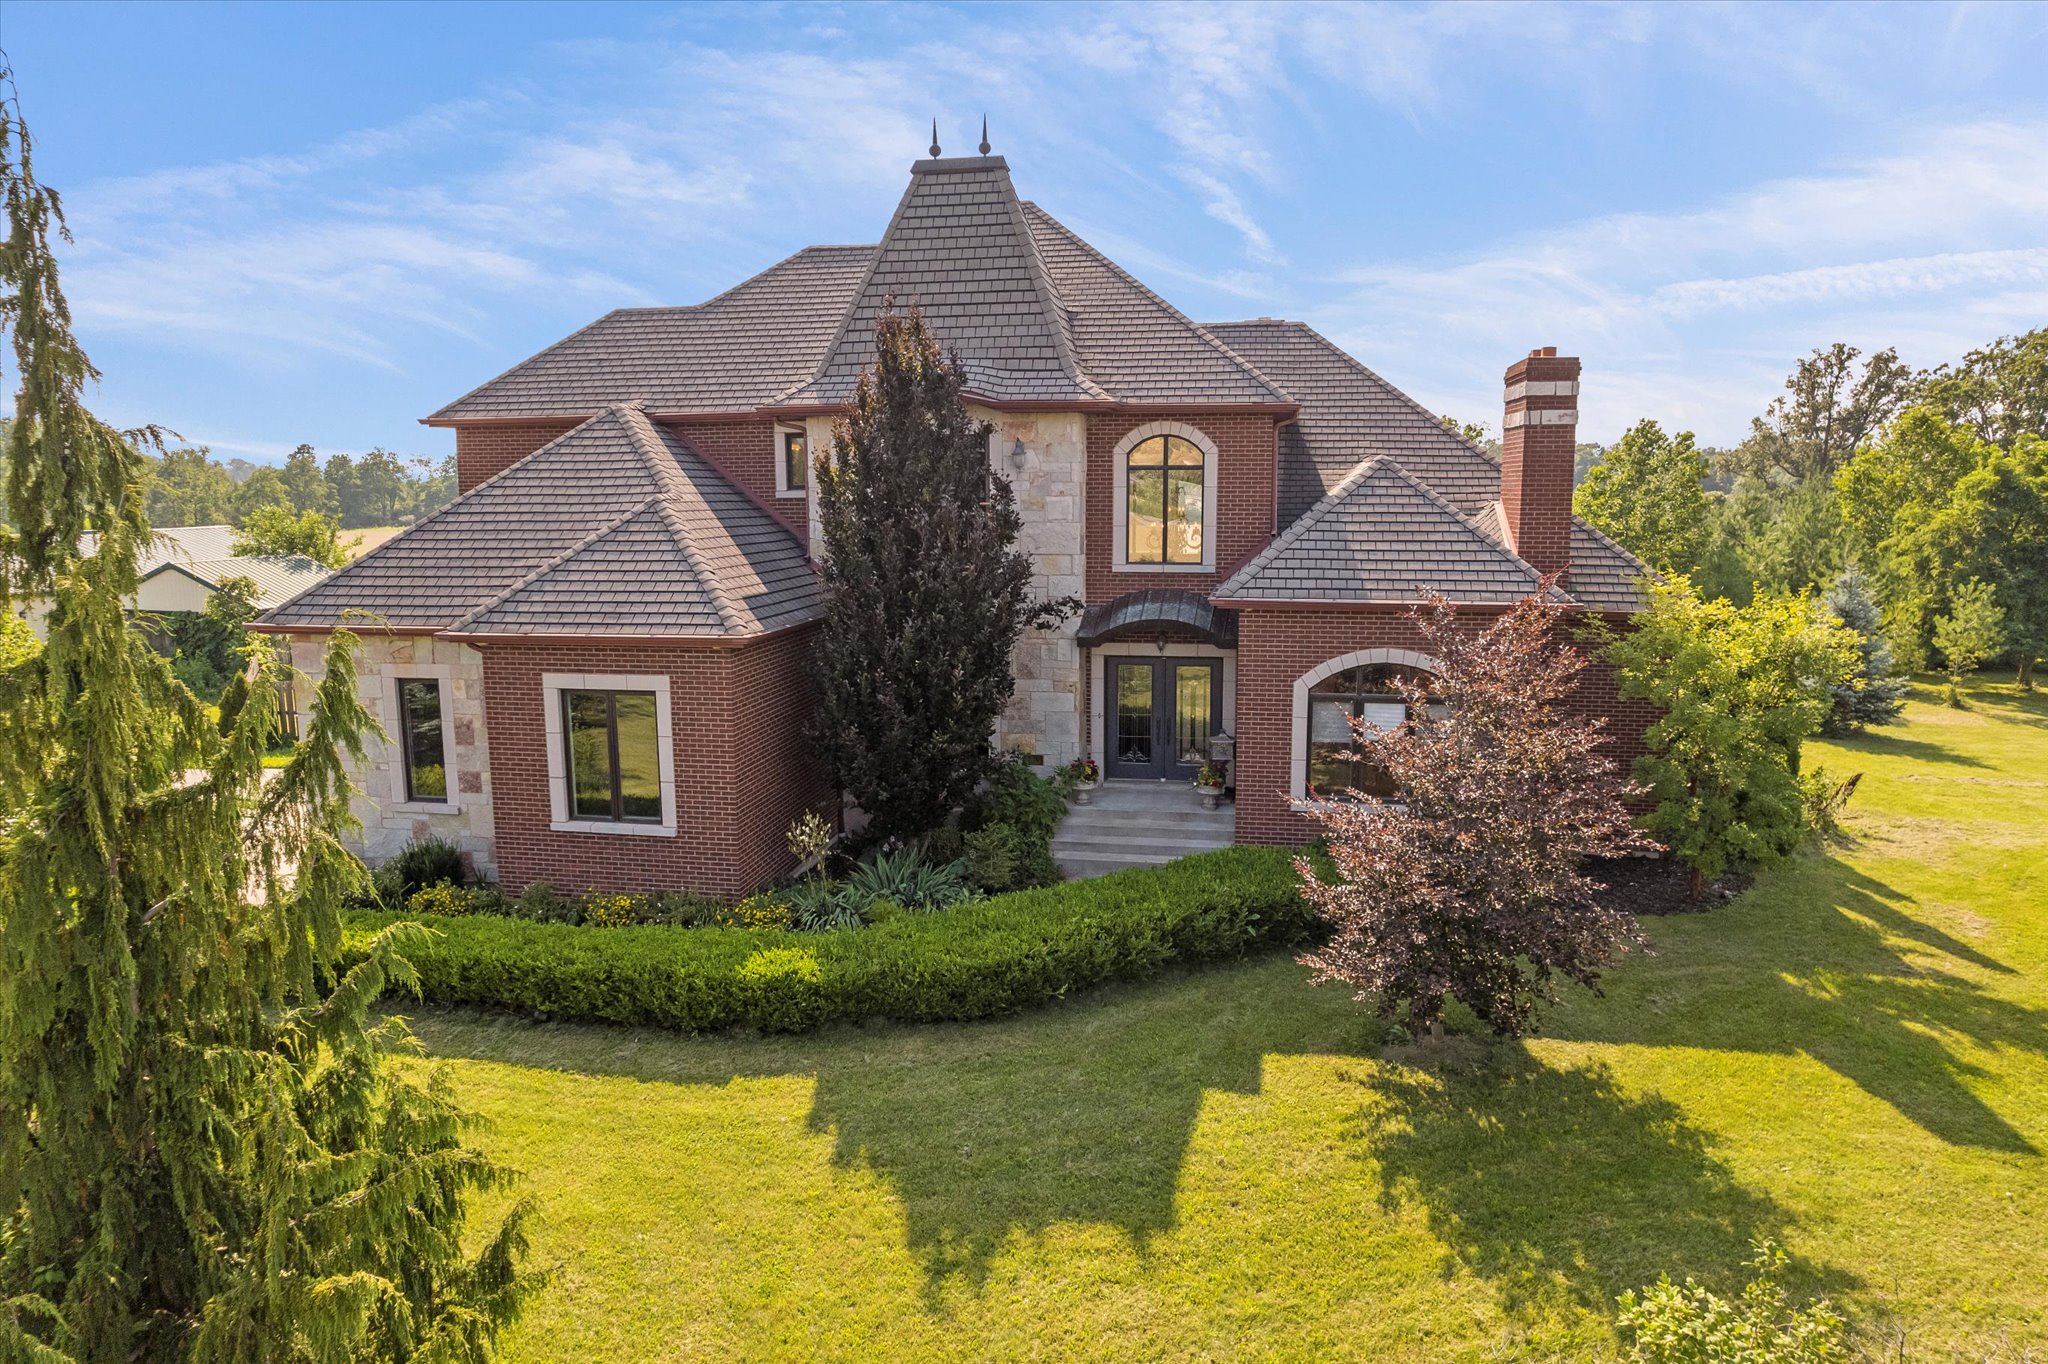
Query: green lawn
point(1852, 1058)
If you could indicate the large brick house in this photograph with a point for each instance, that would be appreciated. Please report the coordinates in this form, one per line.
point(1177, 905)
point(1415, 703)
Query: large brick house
point(593, 664)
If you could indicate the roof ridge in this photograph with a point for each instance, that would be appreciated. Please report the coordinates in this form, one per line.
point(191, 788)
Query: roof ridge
point(1049, 296)
point(1348, 358)
point(1301, 525)
point(507, 372)
point(1139, 285)
point(860, 290)
point(1444, 504)
point(677, 485)
point(1604, 538)
point(459, 499)
point(541, 570)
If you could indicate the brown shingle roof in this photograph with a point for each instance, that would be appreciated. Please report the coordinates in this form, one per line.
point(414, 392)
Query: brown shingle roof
point(729, 354)
point(615, 528)
point(1349, 414)
point(1381, 536)
point(959, 250)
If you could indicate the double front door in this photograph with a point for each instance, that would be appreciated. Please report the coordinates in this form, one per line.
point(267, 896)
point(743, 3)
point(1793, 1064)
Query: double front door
point(1160, 714)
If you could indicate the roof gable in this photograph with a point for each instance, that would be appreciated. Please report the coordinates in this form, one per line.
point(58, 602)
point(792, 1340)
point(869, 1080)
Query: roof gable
point(1381, 536)
point(617, 527)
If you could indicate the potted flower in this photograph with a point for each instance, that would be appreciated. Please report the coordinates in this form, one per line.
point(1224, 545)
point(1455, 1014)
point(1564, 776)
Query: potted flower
point(1083, 776)
point(1209, 783)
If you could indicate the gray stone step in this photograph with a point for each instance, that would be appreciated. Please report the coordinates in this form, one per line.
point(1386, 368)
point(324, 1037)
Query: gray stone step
point(1140, 824)
point(1078, 868)
point(1155, 849)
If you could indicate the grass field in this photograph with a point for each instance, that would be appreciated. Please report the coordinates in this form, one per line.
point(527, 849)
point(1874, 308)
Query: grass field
point(1852, 1058)
point(368, 538)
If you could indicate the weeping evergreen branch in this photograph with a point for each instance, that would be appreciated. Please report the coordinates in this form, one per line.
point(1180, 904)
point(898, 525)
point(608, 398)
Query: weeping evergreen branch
point(210, 1147)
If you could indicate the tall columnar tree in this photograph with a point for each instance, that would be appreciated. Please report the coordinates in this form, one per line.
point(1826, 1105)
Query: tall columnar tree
point(1875, 695)
point(204, 1151)
point(1649, 492)
point(1739, 688)
point(926, 590)
point(1470, 884)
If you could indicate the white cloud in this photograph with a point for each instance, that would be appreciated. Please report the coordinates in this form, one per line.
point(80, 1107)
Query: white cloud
point(1738, 287)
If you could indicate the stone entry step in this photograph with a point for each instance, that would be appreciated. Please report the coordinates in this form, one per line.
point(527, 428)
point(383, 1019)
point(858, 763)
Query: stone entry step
point(1138, 824)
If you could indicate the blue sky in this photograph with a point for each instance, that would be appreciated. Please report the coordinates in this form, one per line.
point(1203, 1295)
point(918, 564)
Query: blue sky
point(319, 223)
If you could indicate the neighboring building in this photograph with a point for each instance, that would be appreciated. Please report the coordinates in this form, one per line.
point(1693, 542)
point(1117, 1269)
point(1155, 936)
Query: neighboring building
point(593, 664)
point(185, 565)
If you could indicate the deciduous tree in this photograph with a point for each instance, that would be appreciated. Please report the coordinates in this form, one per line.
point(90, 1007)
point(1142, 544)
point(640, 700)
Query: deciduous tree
point(1648, 492)
point(205, 1152)
point(1739, 688)
point(1825, 413)
point(1470, 883)
point(1972, 631)
point(926, 591)
point(275, 531)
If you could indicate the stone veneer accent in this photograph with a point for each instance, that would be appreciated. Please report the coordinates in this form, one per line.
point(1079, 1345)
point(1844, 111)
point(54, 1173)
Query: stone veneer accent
point(389, 821)
point(1044, 715)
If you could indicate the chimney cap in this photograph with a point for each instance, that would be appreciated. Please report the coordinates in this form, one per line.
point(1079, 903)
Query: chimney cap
point(1543, 353)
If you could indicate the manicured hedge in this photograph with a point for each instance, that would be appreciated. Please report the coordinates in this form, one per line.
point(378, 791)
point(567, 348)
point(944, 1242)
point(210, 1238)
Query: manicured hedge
point(1002, 954)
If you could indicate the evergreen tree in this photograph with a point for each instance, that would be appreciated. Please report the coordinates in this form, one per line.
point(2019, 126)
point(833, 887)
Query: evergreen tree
point(926, 592)
point(204, 1152)
point(1874, 696)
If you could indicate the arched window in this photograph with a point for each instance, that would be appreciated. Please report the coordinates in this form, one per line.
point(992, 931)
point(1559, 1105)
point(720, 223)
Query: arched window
point(1338, 763)
point(1163, 502)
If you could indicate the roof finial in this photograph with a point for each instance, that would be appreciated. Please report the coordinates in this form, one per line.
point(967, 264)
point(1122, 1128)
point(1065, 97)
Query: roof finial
point(984, 134)
point(935, 139)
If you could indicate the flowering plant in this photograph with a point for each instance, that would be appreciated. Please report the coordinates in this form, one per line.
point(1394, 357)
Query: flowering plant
point(1083, 770)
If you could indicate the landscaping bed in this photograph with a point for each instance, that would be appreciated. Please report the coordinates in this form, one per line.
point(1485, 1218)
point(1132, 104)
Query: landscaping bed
point(975, 960)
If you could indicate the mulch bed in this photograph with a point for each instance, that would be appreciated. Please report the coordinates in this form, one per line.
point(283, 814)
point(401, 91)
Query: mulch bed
point(1659, 885)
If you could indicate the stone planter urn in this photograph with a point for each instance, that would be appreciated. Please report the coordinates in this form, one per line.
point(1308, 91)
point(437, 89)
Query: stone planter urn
point(1084, 792)
point(1212, 796)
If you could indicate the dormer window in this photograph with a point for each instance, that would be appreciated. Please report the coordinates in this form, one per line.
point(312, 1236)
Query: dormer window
point(1165, 503)
point(793, 462)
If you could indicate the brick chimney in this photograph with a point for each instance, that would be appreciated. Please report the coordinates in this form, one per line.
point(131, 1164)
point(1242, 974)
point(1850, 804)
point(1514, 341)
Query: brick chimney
point(1536, 439)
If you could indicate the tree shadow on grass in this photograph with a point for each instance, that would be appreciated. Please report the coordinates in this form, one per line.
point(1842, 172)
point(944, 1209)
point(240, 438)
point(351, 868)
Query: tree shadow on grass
point(1559, 1187)
point(1881, 743)
point(987, 1133)
point(1834, 979)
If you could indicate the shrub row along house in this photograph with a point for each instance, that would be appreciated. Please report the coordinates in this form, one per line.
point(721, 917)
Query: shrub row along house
point(593, 664)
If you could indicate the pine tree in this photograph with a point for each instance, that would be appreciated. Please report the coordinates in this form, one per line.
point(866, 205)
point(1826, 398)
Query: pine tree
point(926, 591)
point(205, 1151)
point(1874, 696)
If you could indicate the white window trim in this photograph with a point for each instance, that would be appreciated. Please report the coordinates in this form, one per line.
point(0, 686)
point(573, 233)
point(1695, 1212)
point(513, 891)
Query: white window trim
point(1098, 727)
point(552, 686)
point(1121, 486)
point(782, 488)
point(1297, 739)
point(389, 675)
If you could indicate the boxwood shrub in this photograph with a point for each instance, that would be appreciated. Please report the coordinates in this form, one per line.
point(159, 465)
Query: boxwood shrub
point(994, 956)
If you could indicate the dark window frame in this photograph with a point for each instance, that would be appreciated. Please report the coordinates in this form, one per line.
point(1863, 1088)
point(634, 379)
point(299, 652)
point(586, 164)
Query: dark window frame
point(1165, 468)
point(611, 695)
point(796, 478)
point(405, 739)
point(1367, 689)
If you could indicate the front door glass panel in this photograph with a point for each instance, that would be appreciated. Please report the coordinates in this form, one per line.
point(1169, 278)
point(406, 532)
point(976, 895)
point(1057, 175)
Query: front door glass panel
point(1133, 729)
point(1194, 706)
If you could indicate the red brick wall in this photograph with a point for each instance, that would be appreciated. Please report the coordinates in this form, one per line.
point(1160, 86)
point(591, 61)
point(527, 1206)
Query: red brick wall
point(1276, 645)
point(1241, 522)
point(742, 773)
point(486, 451)
point(1536, 461)
point(745, 452)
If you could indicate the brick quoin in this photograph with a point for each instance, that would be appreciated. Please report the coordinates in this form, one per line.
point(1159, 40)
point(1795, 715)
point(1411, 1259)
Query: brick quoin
point(1278, 644)
point(1538, 435)
point(1241, 522)
point(743, 772)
